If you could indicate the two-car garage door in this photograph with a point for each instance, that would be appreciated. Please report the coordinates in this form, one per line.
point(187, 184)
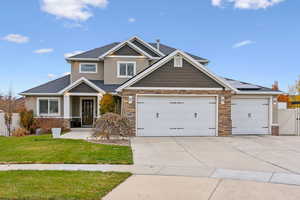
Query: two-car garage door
point(176, 116)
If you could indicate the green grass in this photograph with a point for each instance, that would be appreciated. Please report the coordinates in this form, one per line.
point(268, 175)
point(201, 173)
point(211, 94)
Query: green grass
point(54, 185)
point(44, 149)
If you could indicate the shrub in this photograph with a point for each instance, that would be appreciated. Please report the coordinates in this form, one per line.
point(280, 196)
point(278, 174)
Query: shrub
point(20, 132)
point(112, 124)
point(47, 123)
point(107, 104)
point(26, 119)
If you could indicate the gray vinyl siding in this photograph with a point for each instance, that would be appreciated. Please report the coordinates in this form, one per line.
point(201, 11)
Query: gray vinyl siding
point(170, 76)
point(126, 51)
point(147, 50)
point(83, 88)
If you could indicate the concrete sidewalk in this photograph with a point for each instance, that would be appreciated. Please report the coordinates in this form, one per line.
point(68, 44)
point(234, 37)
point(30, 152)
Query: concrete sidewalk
point(267, 177)
point(141, 187)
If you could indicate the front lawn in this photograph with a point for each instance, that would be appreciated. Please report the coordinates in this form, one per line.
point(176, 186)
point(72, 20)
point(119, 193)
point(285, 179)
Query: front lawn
point(44, 149)
point(36, 185)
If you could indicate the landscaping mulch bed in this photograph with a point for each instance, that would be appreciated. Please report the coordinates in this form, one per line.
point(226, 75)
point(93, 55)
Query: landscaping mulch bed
point(119, 142)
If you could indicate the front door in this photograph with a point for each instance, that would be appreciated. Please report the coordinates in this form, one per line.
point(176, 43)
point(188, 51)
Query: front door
point(87, 112)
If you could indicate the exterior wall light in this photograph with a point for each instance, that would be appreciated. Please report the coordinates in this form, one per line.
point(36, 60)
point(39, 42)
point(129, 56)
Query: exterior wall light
point(130, 99)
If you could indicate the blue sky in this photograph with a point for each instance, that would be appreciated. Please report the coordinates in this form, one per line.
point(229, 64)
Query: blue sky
point(256, 41)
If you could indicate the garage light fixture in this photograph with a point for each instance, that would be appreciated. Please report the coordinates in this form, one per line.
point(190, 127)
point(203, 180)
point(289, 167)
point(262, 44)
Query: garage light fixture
point(130, 99)
point(222, 100)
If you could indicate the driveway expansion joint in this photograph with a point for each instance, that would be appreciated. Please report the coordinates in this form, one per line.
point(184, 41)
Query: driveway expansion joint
point(215, 189)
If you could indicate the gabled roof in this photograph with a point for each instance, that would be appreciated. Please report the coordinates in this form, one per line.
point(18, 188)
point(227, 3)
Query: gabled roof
point(146, 46)
point(97, 53)
point(50, 87)
point(58, 86)
point(162, 61)
point(107, 88)
point(79, 81)
point(120, 45)
point(168, 50)
point(94, 53)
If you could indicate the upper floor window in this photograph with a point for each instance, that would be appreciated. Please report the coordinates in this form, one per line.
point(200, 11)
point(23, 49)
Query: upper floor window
point(48, 106)
point(178, 61)
point(88, 68)
point(126, 69)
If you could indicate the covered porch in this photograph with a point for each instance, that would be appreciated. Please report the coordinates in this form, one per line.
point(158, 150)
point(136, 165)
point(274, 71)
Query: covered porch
point(82, 110)
point(81, 103)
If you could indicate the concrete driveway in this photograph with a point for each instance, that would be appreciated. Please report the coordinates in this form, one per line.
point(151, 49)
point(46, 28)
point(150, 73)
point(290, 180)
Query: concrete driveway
point(250, 153)
point(141, 187)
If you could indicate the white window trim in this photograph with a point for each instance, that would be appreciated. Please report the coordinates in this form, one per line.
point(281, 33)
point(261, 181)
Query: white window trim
point(48, 115)
point(83, 72)
point(126, 62)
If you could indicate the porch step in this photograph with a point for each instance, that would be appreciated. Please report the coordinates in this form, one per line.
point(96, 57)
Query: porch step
point(81, 129)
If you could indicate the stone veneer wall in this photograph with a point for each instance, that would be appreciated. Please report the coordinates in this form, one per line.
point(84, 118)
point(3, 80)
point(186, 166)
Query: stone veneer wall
point(224, 118)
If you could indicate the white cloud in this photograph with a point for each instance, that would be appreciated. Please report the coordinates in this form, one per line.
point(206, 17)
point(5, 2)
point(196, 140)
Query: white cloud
point(243, 43)
point(72, 9)
point(66, 73)
point(247, 4)
point(42, 51)
point(131, 20)
point(67, 55)
point(51, 76)
point(16, 38)
point(216, 2)
point(73, 25)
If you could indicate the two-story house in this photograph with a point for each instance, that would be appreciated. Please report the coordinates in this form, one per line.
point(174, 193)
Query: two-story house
point(163, 92)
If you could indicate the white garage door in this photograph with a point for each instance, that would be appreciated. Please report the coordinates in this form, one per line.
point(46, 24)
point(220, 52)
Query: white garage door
point(250, 116)
point(176, 116)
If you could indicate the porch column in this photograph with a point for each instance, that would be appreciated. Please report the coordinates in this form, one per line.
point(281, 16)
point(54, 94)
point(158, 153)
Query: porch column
point(66, 106)
point(99, 97)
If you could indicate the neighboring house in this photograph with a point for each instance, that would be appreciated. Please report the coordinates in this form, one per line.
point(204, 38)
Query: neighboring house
point(164, 92)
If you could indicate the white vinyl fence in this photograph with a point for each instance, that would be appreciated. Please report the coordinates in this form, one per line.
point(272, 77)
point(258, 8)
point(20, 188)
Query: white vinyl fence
point(289, 121)
point(15, 124)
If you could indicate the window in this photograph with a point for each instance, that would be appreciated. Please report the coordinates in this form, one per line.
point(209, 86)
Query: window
point(126, 69)
point(48, 106)
point(178, 61)
point(88, 68)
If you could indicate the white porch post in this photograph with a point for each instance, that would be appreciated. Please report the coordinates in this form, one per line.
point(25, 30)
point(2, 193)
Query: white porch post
point(99, 97)
point(66, 106)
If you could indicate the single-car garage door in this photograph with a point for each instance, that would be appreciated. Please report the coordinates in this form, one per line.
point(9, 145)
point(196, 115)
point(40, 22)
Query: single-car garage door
point(176, 116)
point(250, 116)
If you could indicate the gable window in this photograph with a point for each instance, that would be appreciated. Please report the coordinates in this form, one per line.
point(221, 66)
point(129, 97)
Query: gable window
point(178, 61)
point(126, 69)
point(88, 68)
point(48, 106)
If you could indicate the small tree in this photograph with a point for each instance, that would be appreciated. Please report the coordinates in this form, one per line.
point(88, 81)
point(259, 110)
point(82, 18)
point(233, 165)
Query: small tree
point(8, 109)
point(107, 104)
point(26, 119)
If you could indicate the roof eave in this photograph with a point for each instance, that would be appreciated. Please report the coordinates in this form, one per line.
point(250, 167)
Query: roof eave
point(82, 59)
point(260, 93)
point(39, 94)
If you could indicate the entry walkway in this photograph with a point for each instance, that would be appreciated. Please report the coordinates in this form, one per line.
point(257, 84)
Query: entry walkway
point(78, 134)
